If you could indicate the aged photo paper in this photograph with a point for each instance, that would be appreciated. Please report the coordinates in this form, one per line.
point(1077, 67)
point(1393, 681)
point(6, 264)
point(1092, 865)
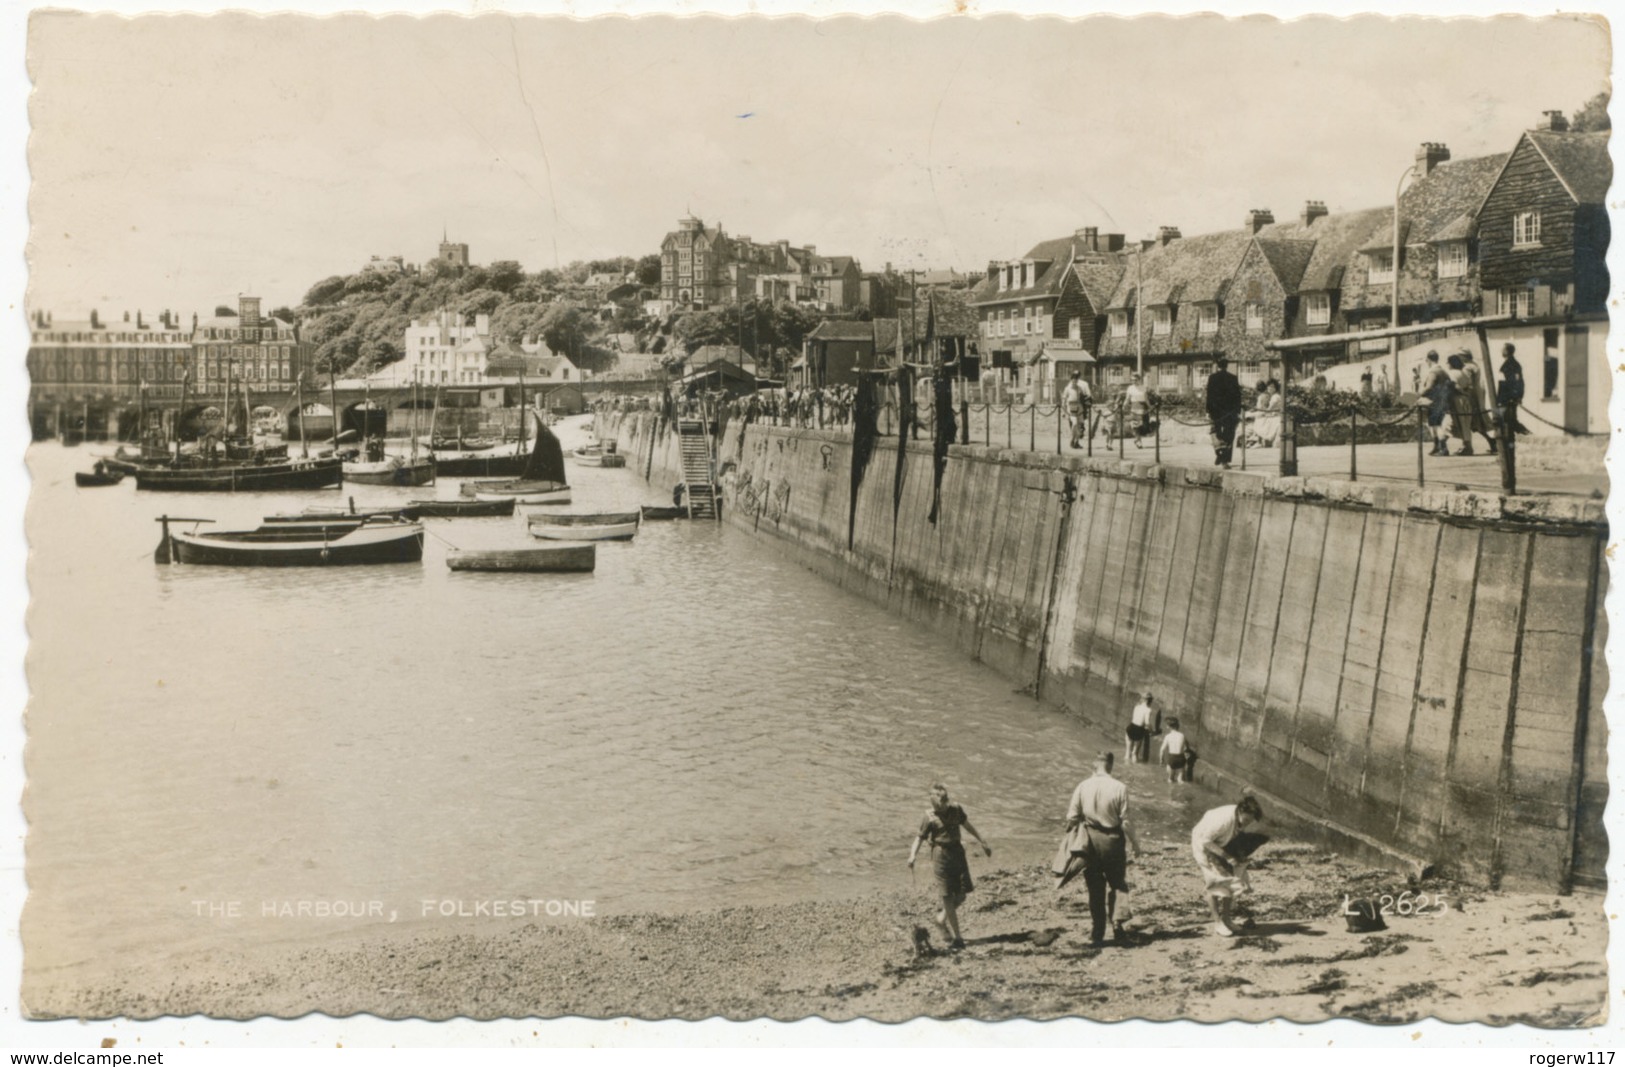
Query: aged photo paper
point(976, 518)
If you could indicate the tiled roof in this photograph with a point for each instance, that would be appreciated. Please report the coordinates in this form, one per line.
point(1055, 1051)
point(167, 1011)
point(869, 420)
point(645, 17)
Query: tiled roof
point(1452, 190)
point(1337, 238)
point(1287, 258)
point(1098, 281)
point(1580, 160)
point(1054, 254)
point(1186, 269)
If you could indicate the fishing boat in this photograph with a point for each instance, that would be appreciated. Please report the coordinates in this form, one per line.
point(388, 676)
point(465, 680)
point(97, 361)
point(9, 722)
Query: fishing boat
point(589, 526)
point(458, 509)
point(392, 470)
point(100, 474)
point(297, 545)
point(315, 513)
point(243, 477)
point(498, 461)
point(541, 482)
point(537, 558)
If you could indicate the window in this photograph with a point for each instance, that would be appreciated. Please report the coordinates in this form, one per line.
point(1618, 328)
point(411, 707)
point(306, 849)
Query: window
point(1520, 302)
point(1162, 321)
point(1170, 376)
point(1207, 319)
point(1028, 327)
point(1549, 366)
point(1379, 267)
point(1452, 259)
point(1119, 324)
point(1116, 374)
point(1525, 229)
point(1255, 318)
point(1318, 309)
point(1074, 329)
point(1503, 300)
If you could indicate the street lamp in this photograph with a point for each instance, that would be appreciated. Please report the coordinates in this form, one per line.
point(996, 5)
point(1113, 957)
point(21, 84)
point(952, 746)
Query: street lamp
point(1393, 311)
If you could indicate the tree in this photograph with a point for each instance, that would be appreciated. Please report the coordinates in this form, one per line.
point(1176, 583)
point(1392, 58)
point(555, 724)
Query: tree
point(222, 310)
point(479, 302)
point(503, 275)
point(700, 328)
point(563, 327)
point(515, 321)
point(649, 270)
point(326, 291)
point(285, 314)
point(474, 278)
point(1592, 115)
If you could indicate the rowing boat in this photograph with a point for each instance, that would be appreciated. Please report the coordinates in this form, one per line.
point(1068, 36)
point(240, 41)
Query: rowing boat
point(538, 558)
point(315, 544)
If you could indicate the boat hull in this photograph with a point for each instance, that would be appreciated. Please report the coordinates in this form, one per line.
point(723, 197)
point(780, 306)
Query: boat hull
point(539, 559)
point(521, 491)
point(299, 474)
point(609, 531)
point(652, 512)
point(86, 481)
point(346, 546)
point(478, 465)
point(452, 509)
point(403, 473)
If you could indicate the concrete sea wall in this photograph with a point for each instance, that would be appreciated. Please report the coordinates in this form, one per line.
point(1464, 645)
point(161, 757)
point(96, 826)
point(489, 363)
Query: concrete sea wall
point(1417, 672)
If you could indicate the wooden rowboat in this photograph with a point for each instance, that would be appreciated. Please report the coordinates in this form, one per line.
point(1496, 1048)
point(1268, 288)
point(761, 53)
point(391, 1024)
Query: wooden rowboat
point(452, 509)
point(101, 475)
point(651, 512)
point(542, 481)
point(538, 558)
point(243, 478)
point(599, 526)
point(317, 544)
point(392, 470)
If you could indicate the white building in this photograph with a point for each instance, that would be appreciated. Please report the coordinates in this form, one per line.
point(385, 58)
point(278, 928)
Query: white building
point(442, 349)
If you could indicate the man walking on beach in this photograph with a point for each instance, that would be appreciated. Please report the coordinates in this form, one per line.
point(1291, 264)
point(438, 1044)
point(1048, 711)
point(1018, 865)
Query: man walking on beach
point(1223, 410)
point(1097, 826)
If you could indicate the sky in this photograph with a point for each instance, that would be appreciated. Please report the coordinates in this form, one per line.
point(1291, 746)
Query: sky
point(178, 161)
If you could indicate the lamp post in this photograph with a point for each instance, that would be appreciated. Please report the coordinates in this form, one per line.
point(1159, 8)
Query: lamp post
point(1393, 309)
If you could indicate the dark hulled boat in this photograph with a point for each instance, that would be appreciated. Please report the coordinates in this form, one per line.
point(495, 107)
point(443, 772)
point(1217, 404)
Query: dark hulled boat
point(243, 477)
point(455, 509)
point(541, 482)
point(294, 545)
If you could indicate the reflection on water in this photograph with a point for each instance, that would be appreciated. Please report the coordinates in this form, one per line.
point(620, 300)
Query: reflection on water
point(698, 723)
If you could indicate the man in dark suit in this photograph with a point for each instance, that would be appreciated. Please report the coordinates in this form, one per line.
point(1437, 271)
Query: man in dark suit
point(1223, 410)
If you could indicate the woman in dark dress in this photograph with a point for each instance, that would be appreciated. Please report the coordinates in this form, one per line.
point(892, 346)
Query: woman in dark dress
point(941, 827)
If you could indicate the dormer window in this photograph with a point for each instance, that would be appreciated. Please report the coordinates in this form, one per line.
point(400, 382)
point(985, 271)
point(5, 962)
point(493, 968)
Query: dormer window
point(1207, 318)
point(1452, 259)
point(1255, 318)
point(1162, 321)
point(1379, 267)
point(1119, 324)
point(1318, 309)
point(1526, 229)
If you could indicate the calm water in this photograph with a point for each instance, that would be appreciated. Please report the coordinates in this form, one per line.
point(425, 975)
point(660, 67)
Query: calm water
point(698, 723)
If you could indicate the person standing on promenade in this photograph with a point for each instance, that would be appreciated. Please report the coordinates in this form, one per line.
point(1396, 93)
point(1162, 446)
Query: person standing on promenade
point(1223, 410)
point(1214, 842)
point(1142, 724)
point(941, 827)
point(1462, 403)
point(1509, 389)
point(1076, 399)
point(1097, 827)
point(1435, 384)
point(1478, 394)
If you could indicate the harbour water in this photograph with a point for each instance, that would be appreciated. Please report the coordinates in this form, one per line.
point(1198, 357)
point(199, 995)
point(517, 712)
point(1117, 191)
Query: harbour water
point(697, 724)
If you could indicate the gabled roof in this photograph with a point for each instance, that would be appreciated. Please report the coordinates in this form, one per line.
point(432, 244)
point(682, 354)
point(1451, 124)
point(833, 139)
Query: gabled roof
point(1580, 161)
point(1451, 190)
point(1054, 256)
point(1337, 238)
point(1287, 258)
point(1097, 280)
point(831, 264)
point(1186, 269)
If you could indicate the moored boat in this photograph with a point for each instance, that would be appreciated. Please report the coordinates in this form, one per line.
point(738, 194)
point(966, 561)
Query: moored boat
point(315, 544)
point(594, 526)
point(536, 558)
point(406, 511)
point(101, 474)
point(652, 512)
point(243, 477)
point(541, 482)
point(453, 509)
point(392, 470)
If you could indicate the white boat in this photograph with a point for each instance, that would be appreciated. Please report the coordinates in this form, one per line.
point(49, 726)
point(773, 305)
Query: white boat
point(593, 526)
point(535, 493)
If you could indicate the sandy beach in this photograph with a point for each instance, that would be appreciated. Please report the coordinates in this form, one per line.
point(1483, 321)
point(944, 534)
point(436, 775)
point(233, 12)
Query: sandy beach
point(1491, 957)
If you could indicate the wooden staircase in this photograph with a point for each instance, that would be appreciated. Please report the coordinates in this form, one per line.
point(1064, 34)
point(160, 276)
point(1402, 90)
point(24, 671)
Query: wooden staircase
point(699, 488)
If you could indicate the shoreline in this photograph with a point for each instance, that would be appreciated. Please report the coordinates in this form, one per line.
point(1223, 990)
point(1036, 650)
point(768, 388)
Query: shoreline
point(1484, 956)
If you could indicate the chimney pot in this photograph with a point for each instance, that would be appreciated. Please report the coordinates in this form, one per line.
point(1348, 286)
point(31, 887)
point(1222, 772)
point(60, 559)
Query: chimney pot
point(1312, 210)
point(1166, 234)
point(1552, 120)
point(1114, 242)
point(1430, 155)
point(1257, 219)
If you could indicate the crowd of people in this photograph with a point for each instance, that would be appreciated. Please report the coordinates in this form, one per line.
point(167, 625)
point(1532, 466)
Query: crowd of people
point(1459, 403)
point(1099, 839)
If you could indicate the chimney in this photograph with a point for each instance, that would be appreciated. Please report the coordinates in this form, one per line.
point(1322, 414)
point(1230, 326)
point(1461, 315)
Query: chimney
point(1088, 238)
point(812, 250)
point(126, 316)
point(1552, 120)
point(140, 325)
point(1114, 242)
point(1146, 244)
point(248, 310)
point(95, 320)
point(1428, 156)
point(1257, 219)
point(1166, 234)
point(1312, 210)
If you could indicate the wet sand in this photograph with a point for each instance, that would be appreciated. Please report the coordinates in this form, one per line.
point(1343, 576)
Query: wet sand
point(1485, 956)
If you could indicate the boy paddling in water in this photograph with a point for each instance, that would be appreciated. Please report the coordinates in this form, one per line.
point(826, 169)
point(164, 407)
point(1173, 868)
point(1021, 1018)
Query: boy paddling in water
point(1174, 753)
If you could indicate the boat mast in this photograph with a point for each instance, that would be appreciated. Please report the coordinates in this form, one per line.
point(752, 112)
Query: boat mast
point(521, 404)
point(180, 415)
point(333, 401)
point(299, 406)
